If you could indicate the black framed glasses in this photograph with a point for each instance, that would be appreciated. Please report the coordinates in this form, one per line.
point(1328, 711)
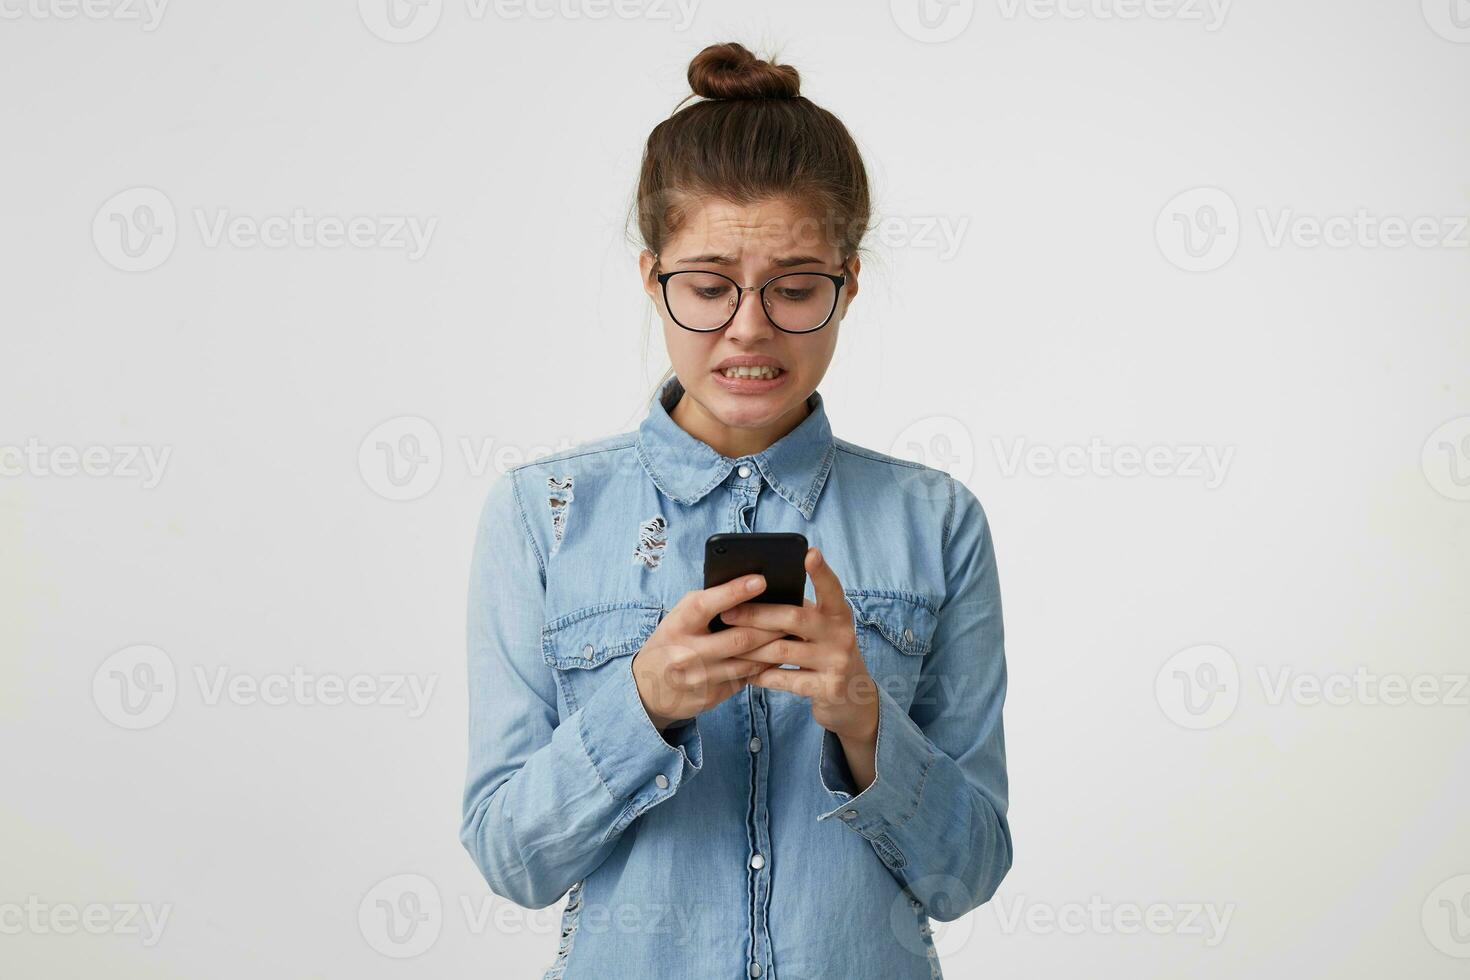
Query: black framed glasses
point(794, 302)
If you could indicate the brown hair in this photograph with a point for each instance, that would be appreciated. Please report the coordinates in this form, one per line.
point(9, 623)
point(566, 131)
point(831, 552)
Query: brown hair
point(753, 138)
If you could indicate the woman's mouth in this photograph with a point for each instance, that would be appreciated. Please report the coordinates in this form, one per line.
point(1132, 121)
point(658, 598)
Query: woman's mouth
point(763, 371)
point(749, 379)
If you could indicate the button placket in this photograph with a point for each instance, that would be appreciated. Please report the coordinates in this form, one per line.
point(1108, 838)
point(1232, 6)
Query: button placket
point(759, 828)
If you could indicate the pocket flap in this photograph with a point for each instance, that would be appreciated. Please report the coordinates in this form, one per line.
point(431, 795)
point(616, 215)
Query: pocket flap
point(906, 621)
point(589, 636)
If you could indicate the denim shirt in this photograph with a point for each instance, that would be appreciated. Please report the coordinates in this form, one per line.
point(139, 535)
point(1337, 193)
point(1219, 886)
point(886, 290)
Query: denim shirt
point(734, 844)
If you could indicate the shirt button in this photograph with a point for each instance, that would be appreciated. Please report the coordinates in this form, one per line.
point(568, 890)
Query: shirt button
point(755, 969)
point(757, 862)
point(755, 744)
point(661, 781)
point(589, 649)
point(908, 635)
point(744, 471)
point(849, 814)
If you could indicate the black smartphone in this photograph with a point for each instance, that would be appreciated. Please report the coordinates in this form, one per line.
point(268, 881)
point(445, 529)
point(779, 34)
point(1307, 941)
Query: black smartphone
point(780, 557)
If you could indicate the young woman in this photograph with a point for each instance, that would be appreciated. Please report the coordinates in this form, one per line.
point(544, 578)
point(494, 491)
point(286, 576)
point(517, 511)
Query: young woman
point(713, 813)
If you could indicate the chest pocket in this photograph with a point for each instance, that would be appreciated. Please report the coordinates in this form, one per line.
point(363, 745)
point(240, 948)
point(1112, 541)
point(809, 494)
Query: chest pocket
point(894, 632)
point(585, 646)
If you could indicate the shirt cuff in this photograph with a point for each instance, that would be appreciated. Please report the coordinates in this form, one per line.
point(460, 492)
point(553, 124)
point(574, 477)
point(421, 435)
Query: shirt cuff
point(634, 761)
point(903, 757)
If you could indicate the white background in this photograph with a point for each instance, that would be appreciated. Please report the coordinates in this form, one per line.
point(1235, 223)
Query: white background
point(1332, 835)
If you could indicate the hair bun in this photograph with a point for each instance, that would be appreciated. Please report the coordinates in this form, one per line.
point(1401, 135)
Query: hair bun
point(730, 71)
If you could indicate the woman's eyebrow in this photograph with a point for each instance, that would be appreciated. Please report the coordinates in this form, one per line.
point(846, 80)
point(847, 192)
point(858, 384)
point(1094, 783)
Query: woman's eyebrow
point(783, 262)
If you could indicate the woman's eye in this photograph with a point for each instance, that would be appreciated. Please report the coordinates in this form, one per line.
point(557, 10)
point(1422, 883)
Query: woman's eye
point(795, 295)
point(710, 292)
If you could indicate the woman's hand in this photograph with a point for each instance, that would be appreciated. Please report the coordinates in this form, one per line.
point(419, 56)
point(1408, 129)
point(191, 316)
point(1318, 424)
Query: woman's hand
point(832, 674)
point(683, 668)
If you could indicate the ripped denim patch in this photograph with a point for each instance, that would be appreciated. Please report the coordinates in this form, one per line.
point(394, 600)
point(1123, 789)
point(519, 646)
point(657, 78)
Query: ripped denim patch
point(652, 539)
point(560, 497)
point(569, 918)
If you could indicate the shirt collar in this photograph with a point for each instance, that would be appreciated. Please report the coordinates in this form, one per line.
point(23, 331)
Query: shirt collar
point(685, 468)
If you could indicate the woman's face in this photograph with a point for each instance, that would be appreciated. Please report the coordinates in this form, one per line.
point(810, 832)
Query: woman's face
point(750, 244)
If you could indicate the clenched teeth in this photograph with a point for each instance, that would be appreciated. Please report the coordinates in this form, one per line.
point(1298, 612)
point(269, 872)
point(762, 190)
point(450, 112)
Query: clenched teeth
point(758, 371)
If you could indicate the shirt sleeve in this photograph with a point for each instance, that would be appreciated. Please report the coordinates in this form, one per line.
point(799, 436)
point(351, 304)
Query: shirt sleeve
point(545, 800)
point(936, 811)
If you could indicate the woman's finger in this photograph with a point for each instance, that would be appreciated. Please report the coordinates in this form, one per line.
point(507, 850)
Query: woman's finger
point(825, 583)
point(733, 642)
point(775, 616)
point(807, 656)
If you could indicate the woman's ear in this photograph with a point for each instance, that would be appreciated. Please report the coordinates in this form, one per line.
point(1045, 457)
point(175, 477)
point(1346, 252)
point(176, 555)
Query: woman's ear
point(646, 262)
point(854, 266)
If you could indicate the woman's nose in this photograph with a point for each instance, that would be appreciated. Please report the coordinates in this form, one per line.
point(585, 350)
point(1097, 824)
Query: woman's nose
point(750, 321)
